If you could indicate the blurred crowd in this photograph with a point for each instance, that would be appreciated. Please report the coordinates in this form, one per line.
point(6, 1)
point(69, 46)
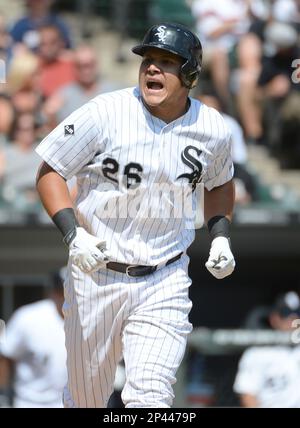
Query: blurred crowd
point(47, 78)
point(250, 73)
point(252, 53)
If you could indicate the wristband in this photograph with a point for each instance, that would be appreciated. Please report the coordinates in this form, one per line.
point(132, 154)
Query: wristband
point(218, 226)
point(66, 222)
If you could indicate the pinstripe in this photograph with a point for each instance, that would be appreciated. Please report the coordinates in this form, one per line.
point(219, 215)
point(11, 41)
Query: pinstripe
point(145, 318)
point(162, 347)
point(100, 134)
point(81, 150)
point(82, 342)
point(97, 352)
point(109, 109)
point(152, 152)
point(109, 322)
point(165, 363)
point(50, 136)
point(75, 354)
point(104, 335)
point(82, 353)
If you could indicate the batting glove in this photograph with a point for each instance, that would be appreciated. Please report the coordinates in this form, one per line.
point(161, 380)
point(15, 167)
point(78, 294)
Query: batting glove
point(221, 262)
point(88, 252)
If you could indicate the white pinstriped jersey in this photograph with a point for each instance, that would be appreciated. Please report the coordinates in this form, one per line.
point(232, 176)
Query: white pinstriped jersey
point(113, 143)
point(271, 374)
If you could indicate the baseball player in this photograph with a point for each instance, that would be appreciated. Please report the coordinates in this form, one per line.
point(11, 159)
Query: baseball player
point(269, 376)
point(126, 291)
point(33, 354)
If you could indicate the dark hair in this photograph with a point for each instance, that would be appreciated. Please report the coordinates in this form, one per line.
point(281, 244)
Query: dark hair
point(287, 304)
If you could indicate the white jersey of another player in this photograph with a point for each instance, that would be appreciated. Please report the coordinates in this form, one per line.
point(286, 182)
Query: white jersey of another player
point(272, 375)
point(35, 341)
point(113, 143)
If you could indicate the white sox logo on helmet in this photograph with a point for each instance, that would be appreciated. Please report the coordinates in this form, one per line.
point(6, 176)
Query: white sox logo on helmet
point(161, 33)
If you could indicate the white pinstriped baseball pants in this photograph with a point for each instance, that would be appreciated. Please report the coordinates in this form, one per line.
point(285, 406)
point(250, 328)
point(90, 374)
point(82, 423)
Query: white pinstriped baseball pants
point(145, 320)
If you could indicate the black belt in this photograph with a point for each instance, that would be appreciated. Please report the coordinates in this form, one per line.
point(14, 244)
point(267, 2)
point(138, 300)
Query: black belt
point(138, 270)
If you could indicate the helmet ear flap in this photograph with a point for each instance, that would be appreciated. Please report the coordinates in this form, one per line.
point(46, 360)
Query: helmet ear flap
point(190, 74)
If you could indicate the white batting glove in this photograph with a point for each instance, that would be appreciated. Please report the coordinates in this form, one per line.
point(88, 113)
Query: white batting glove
point(221, 262)
point(88, 252)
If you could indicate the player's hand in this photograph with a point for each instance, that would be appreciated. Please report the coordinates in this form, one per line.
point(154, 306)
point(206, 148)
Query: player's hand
point(88, 252)
point(221, 261)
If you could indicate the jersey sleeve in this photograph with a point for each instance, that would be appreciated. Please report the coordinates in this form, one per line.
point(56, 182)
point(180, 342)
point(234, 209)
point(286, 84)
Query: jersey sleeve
point(13, 344)
point(73, 143)
point(249, 379)
point(220, 169)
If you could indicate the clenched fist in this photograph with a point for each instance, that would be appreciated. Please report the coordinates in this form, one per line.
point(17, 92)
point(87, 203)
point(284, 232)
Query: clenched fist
point(221, 262)
point(88, 252)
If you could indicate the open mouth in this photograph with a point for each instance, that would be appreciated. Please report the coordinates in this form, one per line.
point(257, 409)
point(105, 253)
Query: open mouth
point(154, 86)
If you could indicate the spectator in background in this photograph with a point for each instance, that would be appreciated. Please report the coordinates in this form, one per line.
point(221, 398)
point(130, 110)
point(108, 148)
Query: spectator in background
point(18, 163)
point(4, 36)
point(269, 376)
point(6, 118)
point(87, 85)
point(5, 54)
point(220, 24)
point(6, 122)
point(277, 90)
point(250, 51)
point(56, 64)
point(5, 39)
point(265, 36)
point(22, 82)
point(33, 355)
point(25, 30)
point(282, 48)
point(287, 11)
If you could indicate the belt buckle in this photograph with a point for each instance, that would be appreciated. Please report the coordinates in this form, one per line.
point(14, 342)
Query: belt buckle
point(127, 271)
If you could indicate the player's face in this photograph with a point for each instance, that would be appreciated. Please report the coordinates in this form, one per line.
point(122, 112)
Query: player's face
point(50, 44)
point(160, 84)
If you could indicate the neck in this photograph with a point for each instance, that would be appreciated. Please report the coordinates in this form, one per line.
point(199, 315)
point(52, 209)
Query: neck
point(168, 115)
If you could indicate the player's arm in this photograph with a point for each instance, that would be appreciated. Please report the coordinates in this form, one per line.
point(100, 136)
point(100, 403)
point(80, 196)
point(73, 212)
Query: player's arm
point(219, 201)
point(218, 210)
point(88, 252)
point(53, 190)
point(248, 400)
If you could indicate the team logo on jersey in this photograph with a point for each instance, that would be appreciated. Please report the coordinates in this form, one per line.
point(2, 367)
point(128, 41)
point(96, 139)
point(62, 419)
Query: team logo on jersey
point(161, 33)
point(69, 130)
point(189, 160)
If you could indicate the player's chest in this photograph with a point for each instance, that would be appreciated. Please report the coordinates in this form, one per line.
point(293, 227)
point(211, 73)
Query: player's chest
point(145, 157)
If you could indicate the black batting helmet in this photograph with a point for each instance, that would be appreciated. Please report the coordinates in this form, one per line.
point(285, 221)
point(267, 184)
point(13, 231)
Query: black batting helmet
point(179, 40)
